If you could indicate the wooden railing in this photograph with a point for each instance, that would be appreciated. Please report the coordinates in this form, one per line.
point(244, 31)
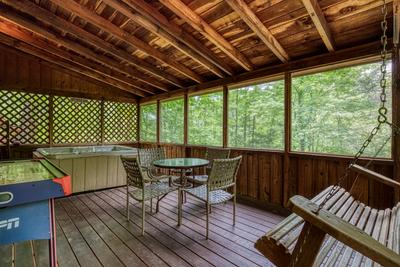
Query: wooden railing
point(261, 181)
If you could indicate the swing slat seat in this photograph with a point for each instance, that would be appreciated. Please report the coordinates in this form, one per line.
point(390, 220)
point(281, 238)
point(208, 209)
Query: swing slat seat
point(350, 232)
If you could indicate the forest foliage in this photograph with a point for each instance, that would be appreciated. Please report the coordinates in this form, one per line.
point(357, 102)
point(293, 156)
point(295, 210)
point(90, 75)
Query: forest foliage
point(332, 112)
point(171, 121)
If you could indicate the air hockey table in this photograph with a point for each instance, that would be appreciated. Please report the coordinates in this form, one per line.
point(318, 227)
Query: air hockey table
point(27, 192)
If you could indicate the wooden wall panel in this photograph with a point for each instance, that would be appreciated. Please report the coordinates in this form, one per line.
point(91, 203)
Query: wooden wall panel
point(19, 71)
point(260, 177)
point(317, 172)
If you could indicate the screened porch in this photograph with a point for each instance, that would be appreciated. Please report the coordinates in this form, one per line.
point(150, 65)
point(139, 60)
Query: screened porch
point(199, 133)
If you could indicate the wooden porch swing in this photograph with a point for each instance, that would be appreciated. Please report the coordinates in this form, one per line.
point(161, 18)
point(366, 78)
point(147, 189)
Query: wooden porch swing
point(334, 228)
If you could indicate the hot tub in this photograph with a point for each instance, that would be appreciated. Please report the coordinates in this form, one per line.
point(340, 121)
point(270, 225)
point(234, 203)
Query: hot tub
point(90, 167)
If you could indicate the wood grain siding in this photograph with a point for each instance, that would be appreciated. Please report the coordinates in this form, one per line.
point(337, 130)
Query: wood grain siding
point(310, 174)
point(260, 177)
point(19, 71)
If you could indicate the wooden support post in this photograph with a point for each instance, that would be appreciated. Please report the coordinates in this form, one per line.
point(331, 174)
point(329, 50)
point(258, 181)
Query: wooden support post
point(225, 117)
point(8, 133)
point(396, 94)
point(396, 22)
point(102, 121)
point(287, 185)
point(158, 122)
point(186, 124)
point(185, 118)
point(138, 124)
point(307, 246)
point(396, 115)
point(51, 119)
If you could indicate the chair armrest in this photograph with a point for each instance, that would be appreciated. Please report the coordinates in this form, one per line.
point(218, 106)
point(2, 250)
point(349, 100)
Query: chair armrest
point(374, 175)
point(144, 168)
point(344, 231)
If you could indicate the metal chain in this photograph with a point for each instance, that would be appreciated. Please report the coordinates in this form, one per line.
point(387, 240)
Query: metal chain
point(382, 111)
point(294, 262)
point(371, 160)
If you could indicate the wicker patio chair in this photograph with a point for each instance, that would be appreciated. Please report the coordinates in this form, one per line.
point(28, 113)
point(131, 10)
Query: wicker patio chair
point(138, 189)
point(146, 158)
point(222, 176)
point(211, 155)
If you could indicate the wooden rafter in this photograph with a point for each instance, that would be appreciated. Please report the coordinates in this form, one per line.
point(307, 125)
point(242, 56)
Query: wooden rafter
point(65, 26)
point(24, 23)
point(11, 42)
point(118, 80)
point(111, 28)
point(193, 19)
point(162, 32)
point(248, 16)
point(317, 16)
point(151, 14)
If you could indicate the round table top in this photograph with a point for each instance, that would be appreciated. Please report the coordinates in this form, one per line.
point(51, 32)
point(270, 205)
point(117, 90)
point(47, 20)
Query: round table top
point(180, 163)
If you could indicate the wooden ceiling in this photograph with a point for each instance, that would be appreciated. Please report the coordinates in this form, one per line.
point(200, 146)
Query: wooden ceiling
point(149, 47)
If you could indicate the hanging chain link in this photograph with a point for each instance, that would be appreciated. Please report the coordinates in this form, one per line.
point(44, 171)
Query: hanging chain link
point(382, 111)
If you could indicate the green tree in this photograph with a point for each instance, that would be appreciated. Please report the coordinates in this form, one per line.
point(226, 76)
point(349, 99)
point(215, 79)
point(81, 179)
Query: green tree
point(171, 121)
point(205, 119)
point(148, 123)
point(334, 111)
point(256, 116)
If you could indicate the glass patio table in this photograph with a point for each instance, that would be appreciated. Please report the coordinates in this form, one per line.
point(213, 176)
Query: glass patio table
point(181, 164)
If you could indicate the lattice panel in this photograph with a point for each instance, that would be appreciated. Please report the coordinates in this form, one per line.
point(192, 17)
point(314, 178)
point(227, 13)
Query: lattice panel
point(76, 120)
point(120, 122)
point(28, 115)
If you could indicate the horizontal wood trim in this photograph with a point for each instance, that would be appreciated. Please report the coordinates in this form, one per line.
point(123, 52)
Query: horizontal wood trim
point(281, 152)
point(340, 56)
point(333, 156)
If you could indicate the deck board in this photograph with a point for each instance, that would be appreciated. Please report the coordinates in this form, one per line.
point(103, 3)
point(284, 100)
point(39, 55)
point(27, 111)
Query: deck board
point(92, 230)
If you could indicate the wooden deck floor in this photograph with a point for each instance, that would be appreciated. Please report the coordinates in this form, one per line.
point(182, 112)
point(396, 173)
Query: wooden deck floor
point(92, 231)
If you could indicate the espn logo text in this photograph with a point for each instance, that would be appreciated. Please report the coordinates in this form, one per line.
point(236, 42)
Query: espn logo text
point(9, 224)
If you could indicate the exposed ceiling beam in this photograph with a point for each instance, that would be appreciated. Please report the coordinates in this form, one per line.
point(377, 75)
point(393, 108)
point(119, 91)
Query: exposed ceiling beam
point(10, 41)
point(111, 28)
point(63, 25)
point(161, 32)
point(317, 16)
point(160, 25)
point(117, 67)
point(194, 20)
point(248, 16)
